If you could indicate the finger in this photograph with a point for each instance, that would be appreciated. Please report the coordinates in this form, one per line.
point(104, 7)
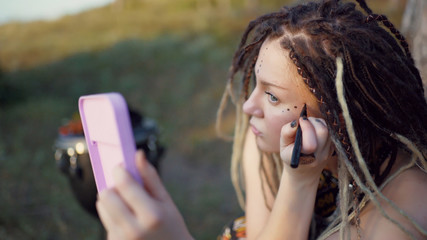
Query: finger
point(114, 232)
point(135, 197)
point(307, 159)
point(111, 236)
point(152, 182)
point(288, 133)
point(287, 138)
point(322, 135)
point(114, 213)
point(309, 138)
point(104, 216)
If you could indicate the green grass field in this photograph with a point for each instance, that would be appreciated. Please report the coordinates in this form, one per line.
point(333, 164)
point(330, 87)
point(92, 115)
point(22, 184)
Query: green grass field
point(183, 99)
point(168, 58)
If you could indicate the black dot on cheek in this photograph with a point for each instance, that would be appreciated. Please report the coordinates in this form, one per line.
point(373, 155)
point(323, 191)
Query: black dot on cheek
point(288, 109)
point(295, 107)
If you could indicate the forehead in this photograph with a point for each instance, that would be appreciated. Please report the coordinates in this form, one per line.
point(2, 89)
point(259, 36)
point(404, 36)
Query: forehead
point(274, 65)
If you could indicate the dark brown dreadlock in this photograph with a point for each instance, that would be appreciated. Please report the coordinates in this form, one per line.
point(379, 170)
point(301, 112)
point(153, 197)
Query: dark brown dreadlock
point(383, 88)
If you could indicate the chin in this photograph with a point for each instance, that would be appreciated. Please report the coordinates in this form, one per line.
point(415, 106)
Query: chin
point(266, 147)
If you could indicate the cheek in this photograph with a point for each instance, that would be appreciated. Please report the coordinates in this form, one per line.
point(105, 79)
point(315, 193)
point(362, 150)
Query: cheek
point(275, 124)
point(283, 115)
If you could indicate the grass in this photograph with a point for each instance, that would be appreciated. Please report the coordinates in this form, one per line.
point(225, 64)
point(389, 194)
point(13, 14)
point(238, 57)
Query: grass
point(172, 69)
point(36, 201)
point(103, 27)
point(46, 208)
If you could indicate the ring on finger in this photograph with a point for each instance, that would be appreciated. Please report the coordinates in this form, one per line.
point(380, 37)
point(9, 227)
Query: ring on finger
point(307, 158)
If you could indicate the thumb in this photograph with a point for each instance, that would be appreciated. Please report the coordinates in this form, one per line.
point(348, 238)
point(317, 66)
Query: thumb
point(287, 139)
point(150, 178)
point(288, 133)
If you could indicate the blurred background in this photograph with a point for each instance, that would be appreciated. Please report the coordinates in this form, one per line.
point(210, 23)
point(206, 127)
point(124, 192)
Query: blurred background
point(170, 61)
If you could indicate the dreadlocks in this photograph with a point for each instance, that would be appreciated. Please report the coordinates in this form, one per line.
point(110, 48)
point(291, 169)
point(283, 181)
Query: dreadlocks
point(360, 69)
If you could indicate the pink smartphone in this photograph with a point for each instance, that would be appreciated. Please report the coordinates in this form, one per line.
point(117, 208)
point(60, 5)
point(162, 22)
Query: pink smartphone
point(109, 137)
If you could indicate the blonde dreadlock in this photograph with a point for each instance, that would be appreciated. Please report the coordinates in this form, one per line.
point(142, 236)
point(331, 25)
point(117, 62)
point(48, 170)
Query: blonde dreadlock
point(355, 68)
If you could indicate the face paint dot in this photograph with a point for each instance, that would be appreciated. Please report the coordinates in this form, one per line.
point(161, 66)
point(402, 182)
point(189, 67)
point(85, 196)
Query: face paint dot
point(288, 109)
point(295, 107)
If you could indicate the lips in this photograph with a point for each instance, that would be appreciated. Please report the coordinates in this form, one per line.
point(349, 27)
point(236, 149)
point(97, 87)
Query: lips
point(255, 130)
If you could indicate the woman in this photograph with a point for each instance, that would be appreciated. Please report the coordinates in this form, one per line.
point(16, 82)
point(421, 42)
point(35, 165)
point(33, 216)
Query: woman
point(361, 173)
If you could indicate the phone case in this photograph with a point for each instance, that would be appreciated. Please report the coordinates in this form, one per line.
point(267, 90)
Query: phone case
point(109, 137)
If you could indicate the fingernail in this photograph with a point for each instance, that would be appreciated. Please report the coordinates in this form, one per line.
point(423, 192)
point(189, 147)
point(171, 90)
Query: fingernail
point(293, 123)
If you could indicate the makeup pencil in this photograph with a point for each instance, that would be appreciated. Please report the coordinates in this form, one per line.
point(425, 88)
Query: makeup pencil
point(296, 152)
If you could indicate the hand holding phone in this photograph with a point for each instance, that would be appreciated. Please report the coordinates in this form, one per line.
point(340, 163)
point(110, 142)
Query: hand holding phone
point(109, 137)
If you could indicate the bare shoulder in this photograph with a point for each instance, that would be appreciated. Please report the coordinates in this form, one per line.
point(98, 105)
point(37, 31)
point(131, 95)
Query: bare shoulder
point(408, 192)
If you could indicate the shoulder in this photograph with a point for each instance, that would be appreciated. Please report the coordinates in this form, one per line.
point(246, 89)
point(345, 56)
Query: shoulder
point(408, 192)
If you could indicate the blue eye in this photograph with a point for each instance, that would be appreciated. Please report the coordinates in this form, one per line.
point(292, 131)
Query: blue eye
point(271, 97)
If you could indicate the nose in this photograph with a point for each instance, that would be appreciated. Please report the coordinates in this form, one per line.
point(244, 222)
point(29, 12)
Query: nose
point(252, 106)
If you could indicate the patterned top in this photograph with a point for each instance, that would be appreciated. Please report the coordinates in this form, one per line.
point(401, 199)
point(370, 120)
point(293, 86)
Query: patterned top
point(236, 230)
point(324, 211)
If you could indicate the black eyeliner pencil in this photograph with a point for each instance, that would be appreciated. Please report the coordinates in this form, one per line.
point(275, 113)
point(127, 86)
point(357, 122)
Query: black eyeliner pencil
point(296, 152)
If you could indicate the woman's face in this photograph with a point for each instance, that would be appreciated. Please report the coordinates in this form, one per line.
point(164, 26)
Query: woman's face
point(278, 97)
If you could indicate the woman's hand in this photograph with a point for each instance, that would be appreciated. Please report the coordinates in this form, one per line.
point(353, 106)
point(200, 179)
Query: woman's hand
point(293, 207)
point(132, 211)
point(316, 147)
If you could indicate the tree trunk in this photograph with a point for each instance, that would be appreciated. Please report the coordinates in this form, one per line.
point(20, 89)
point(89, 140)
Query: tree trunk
point(414, 27)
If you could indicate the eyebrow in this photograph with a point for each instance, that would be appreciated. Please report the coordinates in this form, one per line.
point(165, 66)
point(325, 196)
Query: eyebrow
point(271, 84)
